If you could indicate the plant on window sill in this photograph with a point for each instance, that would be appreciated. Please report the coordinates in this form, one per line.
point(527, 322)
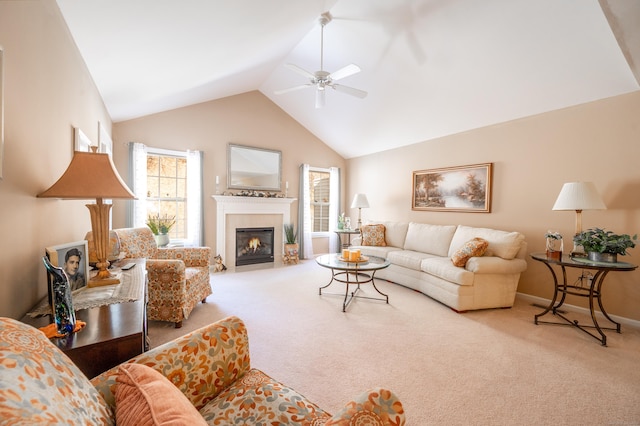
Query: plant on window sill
point(160, 225)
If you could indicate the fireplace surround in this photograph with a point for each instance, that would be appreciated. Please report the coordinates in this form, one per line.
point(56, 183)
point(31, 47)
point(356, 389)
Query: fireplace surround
point(235, 212)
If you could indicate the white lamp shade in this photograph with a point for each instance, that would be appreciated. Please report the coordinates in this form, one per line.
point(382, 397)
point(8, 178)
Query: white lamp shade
point(579, 196)
point(360, 201)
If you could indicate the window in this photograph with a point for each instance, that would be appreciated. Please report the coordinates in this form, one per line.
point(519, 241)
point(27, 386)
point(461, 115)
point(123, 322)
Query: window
point(167, 190)
point(168, 183)
point(320, 194)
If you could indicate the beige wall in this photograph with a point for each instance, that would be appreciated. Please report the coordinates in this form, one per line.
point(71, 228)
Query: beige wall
point(47, 92)
point(532, 158)
point(246, 119)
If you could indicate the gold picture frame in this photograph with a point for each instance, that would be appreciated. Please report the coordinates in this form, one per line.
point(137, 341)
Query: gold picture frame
point(453, 189)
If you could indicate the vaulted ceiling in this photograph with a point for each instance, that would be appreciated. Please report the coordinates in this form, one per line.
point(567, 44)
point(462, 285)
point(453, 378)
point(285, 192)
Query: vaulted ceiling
point(431, 68)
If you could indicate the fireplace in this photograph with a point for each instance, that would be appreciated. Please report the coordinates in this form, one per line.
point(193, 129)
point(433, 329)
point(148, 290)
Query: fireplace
point(254, 245)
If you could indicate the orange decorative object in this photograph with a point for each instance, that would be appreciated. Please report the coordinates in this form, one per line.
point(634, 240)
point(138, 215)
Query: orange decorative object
point(52, 331)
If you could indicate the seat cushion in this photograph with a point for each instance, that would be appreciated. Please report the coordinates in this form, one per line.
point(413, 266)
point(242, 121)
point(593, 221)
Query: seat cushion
point(407, 258)
point(441, 267)
point(39, 384)
point(257, 399)
point(146, 397)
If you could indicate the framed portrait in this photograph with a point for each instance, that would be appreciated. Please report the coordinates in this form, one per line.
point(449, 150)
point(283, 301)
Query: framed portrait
point(105, 144)
point(453, 189)
point(74, 259)
point(81, 141)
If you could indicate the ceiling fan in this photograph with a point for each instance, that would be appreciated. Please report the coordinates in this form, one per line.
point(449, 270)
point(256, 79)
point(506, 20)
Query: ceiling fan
point(323, 79)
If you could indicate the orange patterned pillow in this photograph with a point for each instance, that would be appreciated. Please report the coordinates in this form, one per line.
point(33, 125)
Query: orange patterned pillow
point(373, 235)
point(472, 248)
point(145, 397)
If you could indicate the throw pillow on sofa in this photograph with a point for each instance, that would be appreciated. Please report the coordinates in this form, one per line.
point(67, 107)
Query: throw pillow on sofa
point(145, 397)
point(373, 235)
point(474, 248)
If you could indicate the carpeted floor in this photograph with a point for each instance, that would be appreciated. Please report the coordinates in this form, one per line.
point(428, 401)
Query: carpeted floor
point(492, 367)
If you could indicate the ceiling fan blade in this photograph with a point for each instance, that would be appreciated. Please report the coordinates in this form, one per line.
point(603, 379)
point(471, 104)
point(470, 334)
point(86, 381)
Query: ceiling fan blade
point(291, 89)
point(300, 71)
point(345, 72)
point(350, 91)
point(320, 98)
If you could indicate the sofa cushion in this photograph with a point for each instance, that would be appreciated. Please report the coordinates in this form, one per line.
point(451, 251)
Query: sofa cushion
point(146, 397)
point(501, 243)
point(373, 235)
point(257, 399)
point(431, 239)
point(407, 258)
point(39, 384)
point(441, 267)
point(472, 248)
point(395, 233)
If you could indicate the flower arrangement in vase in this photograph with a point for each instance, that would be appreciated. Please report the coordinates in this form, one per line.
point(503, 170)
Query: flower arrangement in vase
point(554, 245)
point(160, 226)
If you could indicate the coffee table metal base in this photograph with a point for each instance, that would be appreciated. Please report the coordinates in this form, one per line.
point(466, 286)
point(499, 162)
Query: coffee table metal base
point(343, 277)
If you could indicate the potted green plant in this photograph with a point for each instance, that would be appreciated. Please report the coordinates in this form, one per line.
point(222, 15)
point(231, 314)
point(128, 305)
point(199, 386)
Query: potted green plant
point(160, 226)
point(290, 245)
point(604, 246)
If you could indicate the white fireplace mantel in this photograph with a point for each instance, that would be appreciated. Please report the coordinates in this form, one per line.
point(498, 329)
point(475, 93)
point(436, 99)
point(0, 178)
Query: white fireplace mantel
point(227, 205)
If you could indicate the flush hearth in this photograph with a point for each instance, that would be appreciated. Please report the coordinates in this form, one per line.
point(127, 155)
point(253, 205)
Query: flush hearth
point(254, 245)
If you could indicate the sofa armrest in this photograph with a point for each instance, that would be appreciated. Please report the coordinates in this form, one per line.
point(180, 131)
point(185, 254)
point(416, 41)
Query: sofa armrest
point(201, 364)
point(356, 241)
point(375, 407)
point(495, 265)
point(191, 256)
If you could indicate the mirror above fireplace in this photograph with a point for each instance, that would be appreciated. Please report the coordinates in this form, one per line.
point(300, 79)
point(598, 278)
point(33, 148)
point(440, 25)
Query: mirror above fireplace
point(258, 169)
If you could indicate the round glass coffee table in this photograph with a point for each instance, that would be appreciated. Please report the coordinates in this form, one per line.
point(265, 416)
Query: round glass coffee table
point(356, 273)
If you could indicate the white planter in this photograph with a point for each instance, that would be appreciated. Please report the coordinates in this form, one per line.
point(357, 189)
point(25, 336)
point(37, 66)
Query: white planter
point(162, 239)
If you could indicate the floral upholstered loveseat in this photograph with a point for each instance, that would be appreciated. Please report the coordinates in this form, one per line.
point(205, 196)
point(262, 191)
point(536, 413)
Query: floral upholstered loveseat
point(204, 377)
point(178, 277)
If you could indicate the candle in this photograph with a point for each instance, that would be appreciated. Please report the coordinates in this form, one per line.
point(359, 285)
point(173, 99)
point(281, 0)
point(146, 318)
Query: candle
point(345, 254)
point(217, 180)
point(286, 185)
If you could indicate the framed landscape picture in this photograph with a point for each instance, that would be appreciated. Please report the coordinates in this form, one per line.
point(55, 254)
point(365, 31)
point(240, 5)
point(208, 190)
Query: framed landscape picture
point(458, 189)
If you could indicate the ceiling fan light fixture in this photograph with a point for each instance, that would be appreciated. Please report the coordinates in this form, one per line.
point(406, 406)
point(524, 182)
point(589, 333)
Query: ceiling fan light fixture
point(322, 79)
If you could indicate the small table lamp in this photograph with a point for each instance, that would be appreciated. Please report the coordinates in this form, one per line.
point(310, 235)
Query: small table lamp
point(579, 196)
point(92, 175)
point(360, 202)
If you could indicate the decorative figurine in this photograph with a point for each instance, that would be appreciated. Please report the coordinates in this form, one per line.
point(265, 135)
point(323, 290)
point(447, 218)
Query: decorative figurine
point(61, 302)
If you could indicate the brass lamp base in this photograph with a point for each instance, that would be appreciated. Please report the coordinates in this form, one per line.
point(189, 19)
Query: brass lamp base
point(99, 282)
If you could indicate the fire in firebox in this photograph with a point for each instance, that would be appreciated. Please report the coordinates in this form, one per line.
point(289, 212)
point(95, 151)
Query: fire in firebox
point(254, 245)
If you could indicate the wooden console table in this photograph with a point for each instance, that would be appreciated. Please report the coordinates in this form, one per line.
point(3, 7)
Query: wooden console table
point(113, 334)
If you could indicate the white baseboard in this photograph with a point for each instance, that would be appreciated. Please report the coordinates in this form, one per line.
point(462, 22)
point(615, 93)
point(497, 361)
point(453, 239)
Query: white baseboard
point(572, 308)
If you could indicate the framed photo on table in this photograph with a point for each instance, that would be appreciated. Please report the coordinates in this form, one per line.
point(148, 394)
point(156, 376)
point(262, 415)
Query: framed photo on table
point(458, 189)
point(74, 259)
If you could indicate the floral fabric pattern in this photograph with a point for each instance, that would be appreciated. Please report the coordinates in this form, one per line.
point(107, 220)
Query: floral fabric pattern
point(40, 385)
point(210, 366)
point(257, 399)
point(178, 277)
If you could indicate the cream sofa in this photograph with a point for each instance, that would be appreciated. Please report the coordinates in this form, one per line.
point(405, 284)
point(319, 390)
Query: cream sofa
point(420, 256)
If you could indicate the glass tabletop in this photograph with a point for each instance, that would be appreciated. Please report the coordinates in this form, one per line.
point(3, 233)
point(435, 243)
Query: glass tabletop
point(332, 261)
point(583, 262)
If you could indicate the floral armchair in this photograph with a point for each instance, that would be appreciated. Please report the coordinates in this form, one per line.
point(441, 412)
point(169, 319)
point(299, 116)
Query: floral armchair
point(178, 277)
point(204, 377)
